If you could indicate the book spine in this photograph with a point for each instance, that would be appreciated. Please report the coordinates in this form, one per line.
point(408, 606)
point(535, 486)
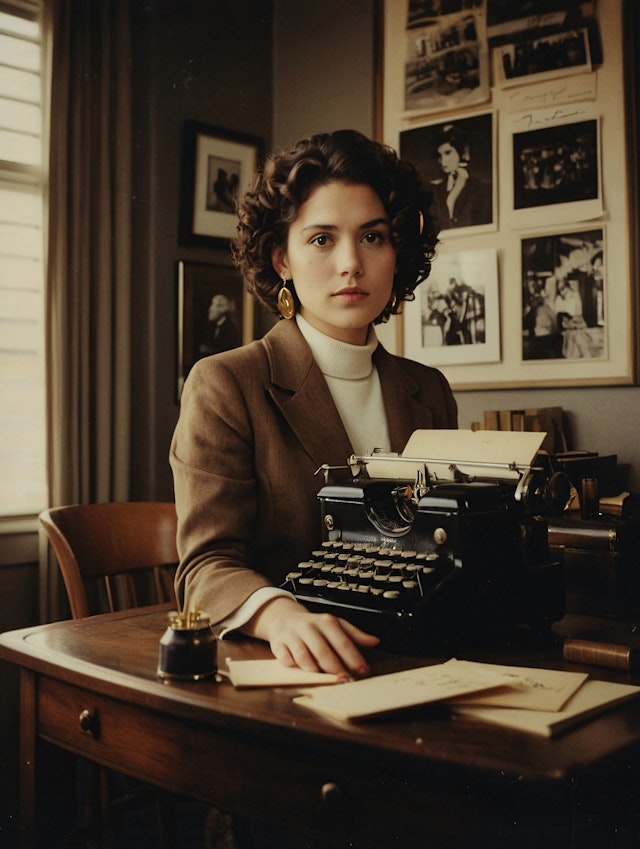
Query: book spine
point(598, 654)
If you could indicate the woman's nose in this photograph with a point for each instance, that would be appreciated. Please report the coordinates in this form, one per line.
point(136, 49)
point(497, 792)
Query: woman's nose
point(350, 260)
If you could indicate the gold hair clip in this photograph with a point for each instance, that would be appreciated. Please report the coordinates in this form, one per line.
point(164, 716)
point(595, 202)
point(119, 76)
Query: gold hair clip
point(420, 221)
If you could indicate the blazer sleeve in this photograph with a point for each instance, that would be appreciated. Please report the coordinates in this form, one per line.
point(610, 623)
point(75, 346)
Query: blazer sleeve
point(211, 458)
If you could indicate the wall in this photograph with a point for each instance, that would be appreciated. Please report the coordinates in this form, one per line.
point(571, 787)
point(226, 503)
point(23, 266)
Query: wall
point(323, 68)
point(201, 60)
point(338, 50)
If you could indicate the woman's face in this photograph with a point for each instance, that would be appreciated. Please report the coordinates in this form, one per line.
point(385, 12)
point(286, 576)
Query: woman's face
point(340, 259)
point(448, 157)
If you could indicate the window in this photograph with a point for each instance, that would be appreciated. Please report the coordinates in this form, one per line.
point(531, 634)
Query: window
point(22, 178)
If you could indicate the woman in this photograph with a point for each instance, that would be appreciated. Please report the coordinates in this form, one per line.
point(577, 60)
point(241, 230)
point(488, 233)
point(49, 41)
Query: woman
point(461, 200)
point(334, 236)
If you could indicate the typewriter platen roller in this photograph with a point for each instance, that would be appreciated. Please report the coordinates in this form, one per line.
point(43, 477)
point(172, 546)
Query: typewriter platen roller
point(439, 545)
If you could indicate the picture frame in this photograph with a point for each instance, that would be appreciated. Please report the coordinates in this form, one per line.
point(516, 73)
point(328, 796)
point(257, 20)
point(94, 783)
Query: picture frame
point(580, 98)
point(215, 314)
point(218, 165)
point(440, 62)
point(528, 60)
point(444, 149)
point(454, 318)
point(556, 158)
point(560, 271)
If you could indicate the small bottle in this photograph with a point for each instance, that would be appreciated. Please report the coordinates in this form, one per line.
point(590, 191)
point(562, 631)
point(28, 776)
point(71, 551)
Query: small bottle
point(188, 648)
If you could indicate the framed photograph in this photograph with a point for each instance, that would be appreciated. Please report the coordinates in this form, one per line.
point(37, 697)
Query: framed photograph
point(455, 316)
point(556, 166)
point(218, 166)
point(539, 35)
point(214, 313)
point(542, 58)
point(436, 59)
point(564, 294)
point(456, 158)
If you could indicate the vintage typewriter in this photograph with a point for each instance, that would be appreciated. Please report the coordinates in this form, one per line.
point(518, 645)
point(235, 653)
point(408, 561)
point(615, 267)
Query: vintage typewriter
point(441, 545)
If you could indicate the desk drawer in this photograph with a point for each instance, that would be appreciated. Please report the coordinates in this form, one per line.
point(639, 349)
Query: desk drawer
point(273, 774)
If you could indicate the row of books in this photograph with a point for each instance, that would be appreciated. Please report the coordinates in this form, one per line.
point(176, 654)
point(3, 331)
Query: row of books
point(547, 420)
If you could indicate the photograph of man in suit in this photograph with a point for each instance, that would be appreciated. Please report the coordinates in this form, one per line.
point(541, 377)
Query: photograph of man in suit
point(222, 331)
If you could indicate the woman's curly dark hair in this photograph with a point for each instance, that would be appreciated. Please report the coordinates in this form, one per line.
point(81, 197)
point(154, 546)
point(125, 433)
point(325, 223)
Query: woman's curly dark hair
point(287, 179)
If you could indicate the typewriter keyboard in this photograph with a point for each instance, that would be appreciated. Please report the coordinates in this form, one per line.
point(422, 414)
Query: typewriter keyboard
point(355, 574)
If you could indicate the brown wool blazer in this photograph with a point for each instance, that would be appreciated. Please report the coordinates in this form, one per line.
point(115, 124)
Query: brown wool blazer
point(255, 424)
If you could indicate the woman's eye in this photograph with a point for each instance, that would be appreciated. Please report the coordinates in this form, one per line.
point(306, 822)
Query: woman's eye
point(321, 240)
point(373, 238)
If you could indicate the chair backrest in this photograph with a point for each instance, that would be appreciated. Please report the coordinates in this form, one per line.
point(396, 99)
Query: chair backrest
point(115, 555)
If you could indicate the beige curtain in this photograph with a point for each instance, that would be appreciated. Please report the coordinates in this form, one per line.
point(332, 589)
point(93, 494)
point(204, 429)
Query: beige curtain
point(89, 252)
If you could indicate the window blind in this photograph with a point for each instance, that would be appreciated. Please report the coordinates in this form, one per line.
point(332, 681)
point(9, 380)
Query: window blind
point(22, 179)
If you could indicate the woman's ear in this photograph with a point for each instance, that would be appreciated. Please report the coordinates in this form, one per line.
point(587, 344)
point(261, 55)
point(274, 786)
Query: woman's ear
point(279, 262)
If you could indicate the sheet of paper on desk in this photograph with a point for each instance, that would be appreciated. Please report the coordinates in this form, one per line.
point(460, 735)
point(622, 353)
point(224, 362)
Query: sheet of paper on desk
point(386, 693)
point(593, 698)
point(271, 673)
point(540, 689)
point(466, 449)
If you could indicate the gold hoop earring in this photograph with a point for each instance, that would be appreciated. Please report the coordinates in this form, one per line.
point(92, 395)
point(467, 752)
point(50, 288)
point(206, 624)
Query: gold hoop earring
point(286, 304)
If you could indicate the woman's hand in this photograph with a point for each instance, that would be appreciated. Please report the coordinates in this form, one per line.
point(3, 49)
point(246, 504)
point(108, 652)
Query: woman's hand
point(316, 642)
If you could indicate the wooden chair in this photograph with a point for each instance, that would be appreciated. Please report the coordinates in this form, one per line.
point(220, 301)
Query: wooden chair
point(115, 555)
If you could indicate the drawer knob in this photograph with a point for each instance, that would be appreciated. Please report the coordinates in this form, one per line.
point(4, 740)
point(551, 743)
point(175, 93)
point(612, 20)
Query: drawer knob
point(90, 722)
point(332, 796)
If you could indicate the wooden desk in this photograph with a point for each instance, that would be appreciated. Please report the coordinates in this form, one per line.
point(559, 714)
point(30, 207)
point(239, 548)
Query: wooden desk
point(252, 752)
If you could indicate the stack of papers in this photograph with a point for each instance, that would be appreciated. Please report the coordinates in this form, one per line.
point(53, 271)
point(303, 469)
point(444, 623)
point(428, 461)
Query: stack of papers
point(538, 701)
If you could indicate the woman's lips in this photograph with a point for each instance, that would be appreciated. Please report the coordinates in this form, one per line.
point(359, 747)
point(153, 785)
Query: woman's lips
point(351, 293)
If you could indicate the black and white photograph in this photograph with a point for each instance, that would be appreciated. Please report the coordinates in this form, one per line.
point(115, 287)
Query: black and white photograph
point(456, 159)
point(217, 166)
point(210, 313)
point(548, 57)
point(423, 12)
point(455, 317)
point(446, 64)
point(554, 165)
point(508, 20)
point(564, 316)
point(223, 183)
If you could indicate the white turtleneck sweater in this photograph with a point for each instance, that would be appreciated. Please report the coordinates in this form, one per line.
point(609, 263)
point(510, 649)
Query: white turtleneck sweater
point(355, 388)
point(354, 385)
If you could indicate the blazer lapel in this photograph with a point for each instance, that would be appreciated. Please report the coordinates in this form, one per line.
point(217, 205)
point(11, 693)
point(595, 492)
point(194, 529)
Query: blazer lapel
point(404, 411)
point(300, 392)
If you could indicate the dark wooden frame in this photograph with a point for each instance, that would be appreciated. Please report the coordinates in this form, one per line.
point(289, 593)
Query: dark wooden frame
point(197, 283)
point(202, 224)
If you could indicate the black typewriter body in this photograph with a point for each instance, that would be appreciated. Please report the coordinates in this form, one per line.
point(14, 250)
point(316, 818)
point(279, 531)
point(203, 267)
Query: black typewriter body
point(460, 564)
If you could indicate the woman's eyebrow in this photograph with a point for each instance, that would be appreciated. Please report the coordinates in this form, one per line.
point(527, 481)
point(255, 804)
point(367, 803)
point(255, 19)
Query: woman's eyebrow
point(367, 224)
point(374, 223)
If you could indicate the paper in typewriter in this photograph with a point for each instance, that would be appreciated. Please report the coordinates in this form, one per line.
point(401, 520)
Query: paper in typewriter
point(508, 453)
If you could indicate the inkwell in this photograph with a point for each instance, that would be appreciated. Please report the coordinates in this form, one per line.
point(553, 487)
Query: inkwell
point(188, 649)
